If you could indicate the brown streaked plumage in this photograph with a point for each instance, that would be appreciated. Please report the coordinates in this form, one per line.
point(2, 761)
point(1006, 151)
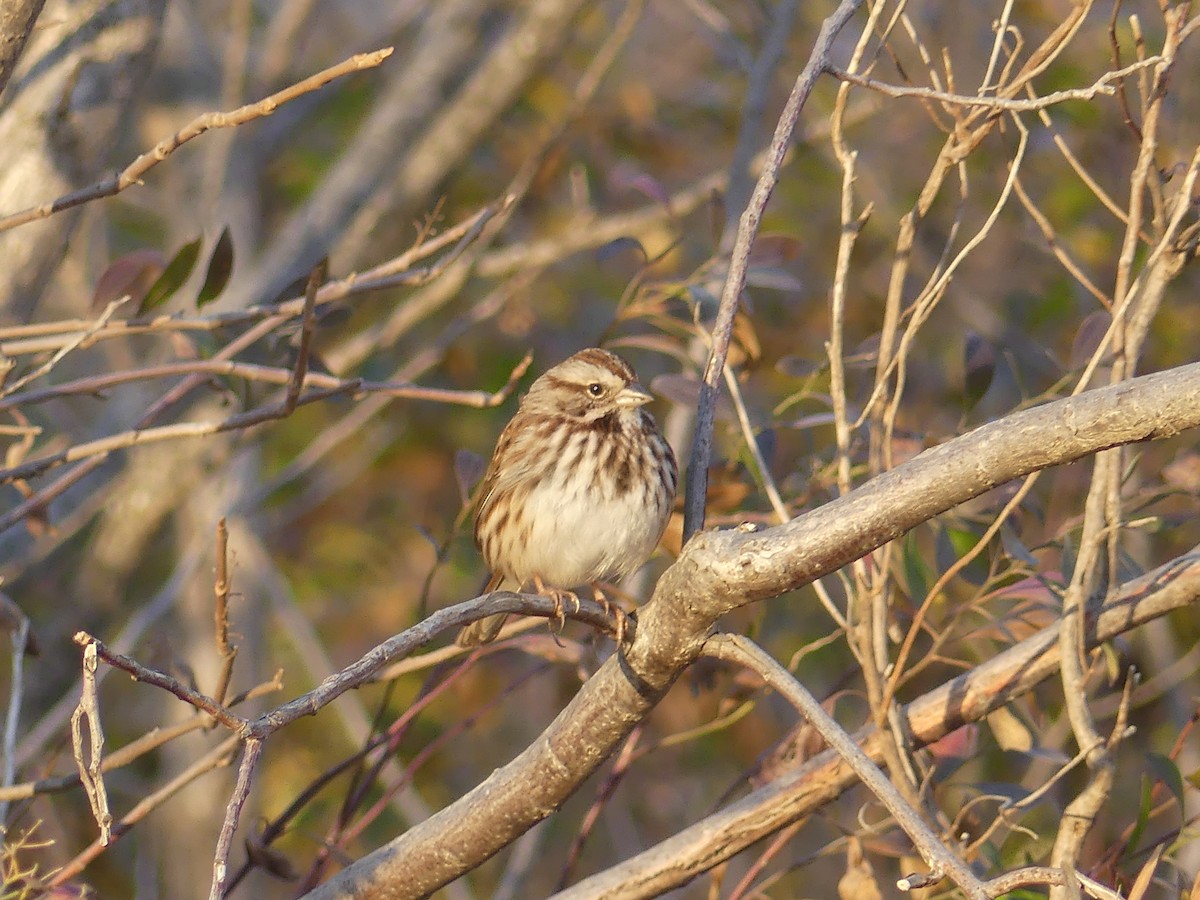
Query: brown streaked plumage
point(580, 485)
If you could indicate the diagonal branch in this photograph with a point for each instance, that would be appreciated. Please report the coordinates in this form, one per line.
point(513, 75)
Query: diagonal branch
point(132, 174)
point(720, 571)
point(940, 859)
point(967, 698)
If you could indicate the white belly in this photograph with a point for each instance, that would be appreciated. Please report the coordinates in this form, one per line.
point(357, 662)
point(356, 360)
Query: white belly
point(574, 543)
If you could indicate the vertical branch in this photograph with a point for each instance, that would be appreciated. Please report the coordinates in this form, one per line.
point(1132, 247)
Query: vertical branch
point(835, 348)
point(89, 769)
point(17, 624)
point(1137, 300)
point(252, 750)
point(296, 382)
point(735, 280)
point(867, 601)
point(225, 651)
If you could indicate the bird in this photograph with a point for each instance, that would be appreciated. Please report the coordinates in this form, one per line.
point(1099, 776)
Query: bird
point(579, 488)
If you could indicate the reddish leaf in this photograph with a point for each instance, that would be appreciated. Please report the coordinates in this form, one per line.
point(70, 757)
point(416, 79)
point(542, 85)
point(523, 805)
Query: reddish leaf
point(628, 178)
point(132, 275)
point(775, 249)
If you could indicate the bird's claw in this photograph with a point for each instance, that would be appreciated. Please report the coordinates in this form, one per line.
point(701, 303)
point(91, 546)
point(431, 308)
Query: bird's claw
point(618, 615)
point(559, 598)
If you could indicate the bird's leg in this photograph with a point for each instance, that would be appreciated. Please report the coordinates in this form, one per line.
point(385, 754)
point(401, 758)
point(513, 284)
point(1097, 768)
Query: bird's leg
point(559, 596)
point(620, 619)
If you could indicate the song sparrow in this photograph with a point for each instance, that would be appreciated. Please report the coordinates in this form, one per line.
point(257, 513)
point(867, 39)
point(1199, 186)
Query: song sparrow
point(580, 485)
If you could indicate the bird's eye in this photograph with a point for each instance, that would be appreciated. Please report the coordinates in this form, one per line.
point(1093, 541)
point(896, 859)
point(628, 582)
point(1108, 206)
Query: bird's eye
point(595, 389)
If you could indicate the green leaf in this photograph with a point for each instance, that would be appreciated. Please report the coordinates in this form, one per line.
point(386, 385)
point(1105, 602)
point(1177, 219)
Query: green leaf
point(951, 544)
point(1165, 770)
point(1143, 815)
point(220, 267)
point(918, 575)
point(173, 277)
point(1113, 664)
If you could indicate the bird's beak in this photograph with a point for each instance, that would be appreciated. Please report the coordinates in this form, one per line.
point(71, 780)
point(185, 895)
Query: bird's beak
point(633, 395)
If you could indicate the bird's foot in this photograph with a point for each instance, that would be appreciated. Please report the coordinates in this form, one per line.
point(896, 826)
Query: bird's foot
point(560, 598)
point(619, 616)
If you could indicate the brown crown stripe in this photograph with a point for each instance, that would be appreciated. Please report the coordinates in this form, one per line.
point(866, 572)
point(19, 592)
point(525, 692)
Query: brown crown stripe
point(606, 360)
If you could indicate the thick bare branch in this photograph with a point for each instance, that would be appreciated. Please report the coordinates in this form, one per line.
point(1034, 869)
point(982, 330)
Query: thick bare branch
point(967, 698)
point(720, 571)
point(16, 22)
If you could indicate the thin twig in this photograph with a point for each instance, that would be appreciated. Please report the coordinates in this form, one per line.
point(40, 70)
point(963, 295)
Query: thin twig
point(135, 437)
point(408, 641)
point(89, 763)
point(138, 672)
point(251, 751)
point(19, 632)
point(1060, 252)
point(217, 757)
point(226, 652)
point(54, 360)
point(132, 174)
point(940, 859)
point(136, 749)
point(1102, 86)
point(94, 384)
point(307, 319)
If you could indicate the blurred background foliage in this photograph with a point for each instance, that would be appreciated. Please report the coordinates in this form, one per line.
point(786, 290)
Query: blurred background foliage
point(347, 518)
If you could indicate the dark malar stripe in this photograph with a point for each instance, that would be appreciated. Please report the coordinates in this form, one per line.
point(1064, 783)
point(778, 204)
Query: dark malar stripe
point(608, 424)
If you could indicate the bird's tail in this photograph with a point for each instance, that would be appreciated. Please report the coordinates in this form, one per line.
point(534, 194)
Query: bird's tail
point(483, 631)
